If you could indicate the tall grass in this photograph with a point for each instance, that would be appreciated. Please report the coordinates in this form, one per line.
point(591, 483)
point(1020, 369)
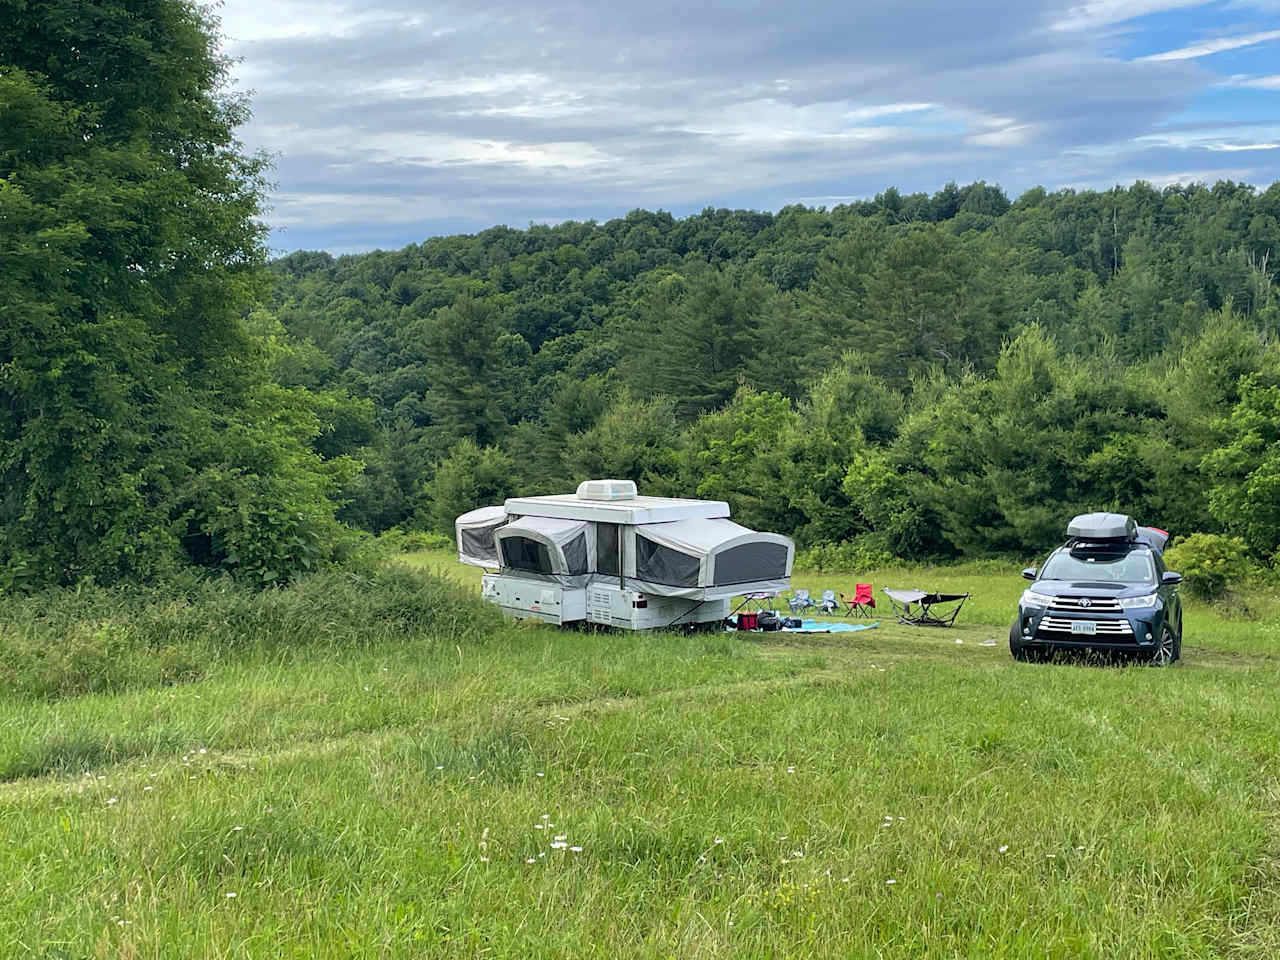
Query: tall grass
point(94, 640)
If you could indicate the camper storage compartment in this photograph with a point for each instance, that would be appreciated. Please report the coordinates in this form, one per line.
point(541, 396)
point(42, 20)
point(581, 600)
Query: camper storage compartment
point(527, 599)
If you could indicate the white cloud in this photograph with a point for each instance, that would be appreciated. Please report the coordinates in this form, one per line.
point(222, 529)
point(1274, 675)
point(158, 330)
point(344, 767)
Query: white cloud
point(1187, 177)
point(1230, 140)
point(1015, 135)
point(1261, 83)
point(458, 86)
point(1208, 47)
point(332, 209)
point(1101, 13)
point(249, 21)
point(429, 149)
point(1233, 147)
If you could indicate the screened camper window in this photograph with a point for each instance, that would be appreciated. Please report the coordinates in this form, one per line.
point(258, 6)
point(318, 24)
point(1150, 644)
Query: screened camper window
point(521, 553)
point(751, 561)
point(575, 554)
point(607, 549)
point(478, 541)
point(660, 564)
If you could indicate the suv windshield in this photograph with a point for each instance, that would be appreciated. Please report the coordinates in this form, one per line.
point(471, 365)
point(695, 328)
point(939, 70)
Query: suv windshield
point(1132, 567)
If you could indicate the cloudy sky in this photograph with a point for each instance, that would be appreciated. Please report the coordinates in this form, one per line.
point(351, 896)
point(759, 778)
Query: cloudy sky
point(396, 120)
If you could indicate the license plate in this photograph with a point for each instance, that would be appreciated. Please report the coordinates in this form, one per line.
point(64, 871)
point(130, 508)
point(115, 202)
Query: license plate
point(1087, 627)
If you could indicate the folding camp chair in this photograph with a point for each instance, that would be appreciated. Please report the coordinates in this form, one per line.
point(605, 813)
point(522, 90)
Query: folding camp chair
point(800, 601)
point(828, 603)
point(931, 609)
point(861, 603)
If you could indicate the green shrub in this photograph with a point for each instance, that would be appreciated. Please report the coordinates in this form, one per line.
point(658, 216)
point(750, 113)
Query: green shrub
point(860, 553)
point(1209, 564)
point(65, 642)
point(396, 540)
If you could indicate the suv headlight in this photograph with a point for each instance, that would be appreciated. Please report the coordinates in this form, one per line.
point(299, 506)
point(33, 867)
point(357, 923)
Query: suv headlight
point(1129, 603)
point(1032, 599)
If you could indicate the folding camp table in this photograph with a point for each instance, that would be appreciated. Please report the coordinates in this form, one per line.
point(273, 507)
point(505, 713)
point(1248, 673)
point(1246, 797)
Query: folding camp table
point(925, 614)
point(759, 601)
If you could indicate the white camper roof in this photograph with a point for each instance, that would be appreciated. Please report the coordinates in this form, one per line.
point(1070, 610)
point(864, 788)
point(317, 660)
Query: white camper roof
point(631, 511)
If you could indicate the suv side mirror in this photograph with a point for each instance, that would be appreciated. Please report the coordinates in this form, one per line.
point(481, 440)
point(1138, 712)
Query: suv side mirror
point(1171, 577)
point(1030, 574)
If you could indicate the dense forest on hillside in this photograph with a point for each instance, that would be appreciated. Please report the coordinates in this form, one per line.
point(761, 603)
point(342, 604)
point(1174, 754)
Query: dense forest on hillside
point(929, 376)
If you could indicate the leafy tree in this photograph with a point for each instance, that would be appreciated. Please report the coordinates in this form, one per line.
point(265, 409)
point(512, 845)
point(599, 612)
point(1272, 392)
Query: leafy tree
point(1209, 563)
point(475, 370)
point(139, 429)
point(1245, 497)
point(696, 338)
point(635, 439)
point(932, 300)
point(470, 476)
point(736, 454)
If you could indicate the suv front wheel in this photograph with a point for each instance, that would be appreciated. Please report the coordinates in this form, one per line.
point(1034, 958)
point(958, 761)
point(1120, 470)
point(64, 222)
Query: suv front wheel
point(1023, 652)
point(1170, 649)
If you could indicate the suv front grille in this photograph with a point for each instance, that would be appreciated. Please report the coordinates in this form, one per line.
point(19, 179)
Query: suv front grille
point(1085, 605)
point(1104, 627)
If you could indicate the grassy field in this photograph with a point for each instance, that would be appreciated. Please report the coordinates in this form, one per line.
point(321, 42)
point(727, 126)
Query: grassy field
point(503, 790)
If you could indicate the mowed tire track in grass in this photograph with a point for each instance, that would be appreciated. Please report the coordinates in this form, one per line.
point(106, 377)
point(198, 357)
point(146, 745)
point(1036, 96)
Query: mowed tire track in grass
point(728, 794)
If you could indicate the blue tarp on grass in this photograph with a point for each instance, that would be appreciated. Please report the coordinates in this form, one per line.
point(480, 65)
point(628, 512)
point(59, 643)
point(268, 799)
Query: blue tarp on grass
point(821, 626)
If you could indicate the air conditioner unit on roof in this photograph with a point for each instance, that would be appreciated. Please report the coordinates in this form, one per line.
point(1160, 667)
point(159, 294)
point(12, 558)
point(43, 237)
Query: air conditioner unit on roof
point(607, 490)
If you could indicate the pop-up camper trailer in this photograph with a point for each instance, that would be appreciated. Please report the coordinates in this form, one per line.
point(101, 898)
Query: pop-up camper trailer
point(608, 556)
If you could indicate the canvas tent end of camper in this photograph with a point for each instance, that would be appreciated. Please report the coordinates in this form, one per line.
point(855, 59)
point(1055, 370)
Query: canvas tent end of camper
point(609, 556)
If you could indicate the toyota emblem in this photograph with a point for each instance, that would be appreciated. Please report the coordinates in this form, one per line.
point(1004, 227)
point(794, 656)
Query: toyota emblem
point(1085, 601)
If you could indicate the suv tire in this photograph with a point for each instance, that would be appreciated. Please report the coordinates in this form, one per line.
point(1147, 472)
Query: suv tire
point(1023, 652)
point(1170, 649)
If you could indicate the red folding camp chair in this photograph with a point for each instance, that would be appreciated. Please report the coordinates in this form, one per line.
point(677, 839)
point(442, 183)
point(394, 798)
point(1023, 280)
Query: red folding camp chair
point(862, 602)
